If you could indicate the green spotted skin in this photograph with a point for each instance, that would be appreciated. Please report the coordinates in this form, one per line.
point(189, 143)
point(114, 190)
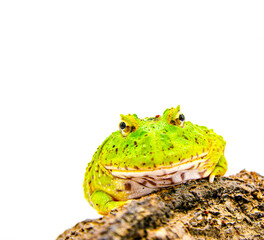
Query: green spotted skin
point(147, 147)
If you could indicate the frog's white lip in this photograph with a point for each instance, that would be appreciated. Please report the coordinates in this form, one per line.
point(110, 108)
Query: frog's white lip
point(139, 182)
point(195, 162)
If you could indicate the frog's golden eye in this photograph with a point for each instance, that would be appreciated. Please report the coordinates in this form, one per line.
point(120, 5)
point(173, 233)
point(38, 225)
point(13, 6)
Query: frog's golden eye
point(125, 128)
point(178, 120)
point(129, 123)
point(174, 116)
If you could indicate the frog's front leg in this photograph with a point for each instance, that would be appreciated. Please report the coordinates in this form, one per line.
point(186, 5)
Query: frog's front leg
point(104, 203)
point(219, 169)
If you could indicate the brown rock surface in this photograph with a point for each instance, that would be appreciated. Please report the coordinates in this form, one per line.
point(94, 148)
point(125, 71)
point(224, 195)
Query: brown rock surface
point(230, 208)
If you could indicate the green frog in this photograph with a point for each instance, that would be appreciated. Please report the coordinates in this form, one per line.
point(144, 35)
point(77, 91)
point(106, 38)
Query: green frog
point(145, 155)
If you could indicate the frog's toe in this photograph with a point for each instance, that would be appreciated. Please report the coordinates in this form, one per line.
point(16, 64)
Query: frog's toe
point(104, 203)
point(115, 204)
point(219, 170)
point(211, 178)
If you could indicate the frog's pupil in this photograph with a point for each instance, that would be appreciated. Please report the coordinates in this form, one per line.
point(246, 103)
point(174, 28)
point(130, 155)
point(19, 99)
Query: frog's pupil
point(122, 125)
point(181, 117)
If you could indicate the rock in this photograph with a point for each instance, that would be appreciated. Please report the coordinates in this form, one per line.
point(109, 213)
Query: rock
point(230, 208)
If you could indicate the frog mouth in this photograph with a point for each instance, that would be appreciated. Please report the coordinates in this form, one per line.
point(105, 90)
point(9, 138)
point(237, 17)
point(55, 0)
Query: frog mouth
point(185, 169)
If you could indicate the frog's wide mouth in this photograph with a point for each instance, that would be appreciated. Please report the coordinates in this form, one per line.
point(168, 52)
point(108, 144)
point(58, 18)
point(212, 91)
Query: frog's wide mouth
point(185, 169)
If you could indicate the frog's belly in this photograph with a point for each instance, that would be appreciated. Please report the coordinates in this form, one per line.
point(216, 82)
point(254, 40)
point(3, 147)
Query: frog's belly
point(140, 186)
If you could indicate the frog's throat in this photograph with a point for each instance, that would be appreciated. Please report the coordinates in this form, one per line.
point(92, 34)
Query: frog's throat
point(185, 169)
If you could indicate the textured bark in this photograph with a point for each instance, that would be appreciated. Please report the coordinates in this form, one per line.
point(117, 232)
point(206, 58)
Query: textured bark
point(230, 208)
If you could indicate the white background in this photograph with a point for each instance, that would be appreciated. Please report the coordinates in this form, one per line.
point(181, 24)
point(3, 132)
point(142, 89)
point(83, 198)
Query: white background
point(69, 68)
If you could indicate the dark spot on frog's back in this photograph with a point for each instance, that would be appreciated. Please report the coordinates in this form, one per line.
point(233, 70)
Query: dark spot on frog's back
point(116, 150)
point(185, 137)
point(135, 143)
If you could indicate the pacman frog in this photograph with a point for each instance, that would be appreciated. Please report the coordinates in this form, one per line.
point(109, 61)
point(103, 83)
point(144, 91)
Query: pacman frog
point(145, 155)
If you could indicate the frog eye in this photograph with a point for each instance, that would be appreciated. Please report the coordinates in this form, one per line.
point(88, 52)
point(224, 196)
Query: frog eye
point(125, 128)
point(174, 116)
point(181, 117)
point(129, 123)
point(178, 120)
point(122, 125)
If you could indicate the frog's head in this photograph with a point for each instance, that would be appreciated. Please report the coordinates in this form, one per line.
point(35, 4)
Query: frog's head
point(159, 142)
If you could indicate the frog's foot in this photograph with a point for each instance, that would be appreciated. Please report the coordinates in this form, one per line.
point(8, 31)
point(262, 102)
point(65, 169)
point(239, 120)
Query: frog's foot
point(219, 170)
point(104, 203)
